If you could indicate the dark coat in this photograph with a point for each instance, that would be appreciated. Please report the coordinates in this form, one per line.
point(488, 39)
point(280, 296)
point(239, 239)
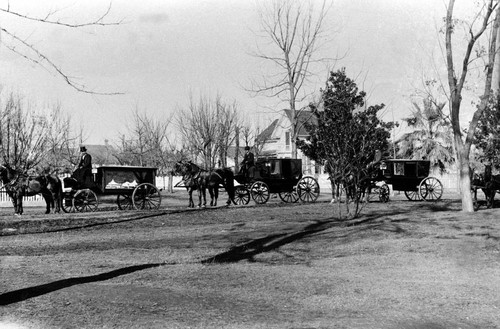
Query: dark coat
point(83, 173)
point(248, 160)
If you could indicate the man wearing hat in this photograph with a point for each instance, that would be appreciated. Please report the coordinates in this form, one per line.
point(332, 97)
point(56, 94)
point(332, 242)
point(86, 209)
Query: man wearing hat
point(248, 163)
point(83, 173)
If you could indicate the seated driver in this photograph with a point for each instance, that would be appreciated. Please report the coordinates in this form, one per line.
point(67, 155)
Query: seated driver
point(83, 173)
point(248, 163)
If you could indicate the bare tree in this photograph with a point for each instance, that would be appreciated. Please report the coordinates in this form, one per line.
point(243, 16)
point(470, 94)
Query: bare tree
point(25, 48)
point(457, 80)
point(208, 128)
point(146, 142)
point(30, 137)
point(296, 31)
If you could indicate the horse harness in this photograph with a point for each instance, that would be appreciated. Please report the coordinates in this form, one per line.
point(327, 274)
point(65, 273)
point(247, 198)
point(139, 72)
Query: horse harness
point(20, 180)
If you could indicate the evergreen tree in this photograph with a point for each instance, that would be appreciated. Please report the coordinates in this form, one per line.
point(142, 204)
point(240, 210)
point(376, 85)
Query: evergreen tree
point(347, 133)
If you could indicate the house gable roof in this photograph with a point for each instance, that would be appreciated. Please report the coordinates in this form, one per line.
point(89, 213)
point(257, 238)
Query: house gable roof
point(267, 133)
point(303, 116)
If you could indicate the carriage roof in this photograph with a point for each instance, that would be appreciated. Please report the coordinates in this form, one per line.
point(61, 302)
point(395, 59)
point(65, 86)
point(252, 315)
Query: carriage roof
point(406, 168)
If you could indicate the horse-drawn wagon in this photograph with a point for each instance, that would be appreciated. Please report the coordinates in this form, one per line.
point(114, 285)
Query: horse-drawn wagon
point(133, 186)
point(412, 177)
point(281, 176)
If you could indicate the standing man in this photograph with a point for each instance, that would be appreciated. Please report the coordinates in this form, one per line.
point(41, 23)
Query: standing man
point(248, 163)
point(83, 173)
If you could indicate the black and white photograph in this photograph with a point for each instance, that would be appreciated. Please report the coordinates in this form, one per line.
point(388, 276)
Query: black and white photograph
point(249, 164)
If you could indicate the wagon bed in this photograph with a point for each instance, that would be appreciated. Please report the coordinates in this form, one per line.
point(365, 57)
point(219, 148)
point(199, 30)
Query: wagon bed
point(134, 187)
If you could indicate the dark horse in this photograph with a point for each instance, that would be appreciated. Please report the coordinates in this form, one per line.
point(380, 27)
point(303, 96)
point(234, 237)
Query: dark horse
point(19, 185)
point(492, 185)
point(196, 178)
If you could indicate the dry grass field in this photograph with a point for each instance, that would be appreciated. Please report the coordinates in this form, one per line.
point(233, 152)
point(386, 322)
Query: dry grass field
point(401, 265)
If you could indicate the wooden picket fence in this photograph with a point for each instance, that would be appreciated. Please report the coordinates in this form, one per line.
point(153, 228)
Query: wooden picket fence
point(4, 197)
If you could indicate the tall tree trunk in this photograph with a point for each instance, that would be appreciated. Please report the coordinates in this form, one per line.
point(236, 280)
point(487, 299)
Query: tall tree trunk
point(464, 174)
point(495, 85)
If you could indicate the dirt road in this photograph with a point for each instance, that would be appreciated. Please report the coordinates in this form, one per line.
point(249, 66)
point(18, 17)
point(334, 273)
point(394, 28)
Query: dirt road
point(402, 265)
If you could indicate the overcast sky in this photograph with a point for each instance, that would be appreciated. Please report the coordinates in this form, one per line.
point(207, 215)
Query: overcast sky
point(165, 50)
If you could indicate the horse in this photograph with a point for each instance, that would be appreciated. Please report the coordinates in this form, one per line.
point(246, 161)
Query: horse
point(492, 184)
point(19, 185)
point(196, 178)
point(191, 180)
point(215, 178)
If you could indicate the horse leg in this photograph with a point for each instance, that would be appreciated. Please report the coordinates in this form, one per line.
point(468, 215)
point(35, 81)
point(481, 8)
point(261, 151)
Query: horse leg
point(20, 205)
point(191, 202)
point(58, 200)
point(202, 195)
point(49, 202)
point(491, 198)
point(216, 194)
point(14, 203)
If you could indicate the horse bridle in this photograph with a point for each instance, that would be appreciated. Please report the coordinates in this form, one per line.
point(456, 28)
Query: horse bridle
point(12, 181)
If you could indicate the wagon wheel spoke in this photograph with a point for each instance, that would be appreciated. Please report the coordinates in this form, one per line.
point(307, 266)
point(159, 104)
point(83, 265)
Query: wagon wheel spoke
point(383, 193)
point(146, 196)
point(412, 195)
point(431, 189)
point(308, 189)
point(241, 196)
point(289, 197)
point(124, 202)
point(259, 192)
point(85, 200)
point(67, 202)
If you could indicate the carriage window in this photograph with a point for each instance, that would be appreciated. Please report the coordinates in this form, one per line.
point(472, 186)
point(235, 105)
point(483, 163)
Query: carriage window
point(399, 168)
point(275, 168)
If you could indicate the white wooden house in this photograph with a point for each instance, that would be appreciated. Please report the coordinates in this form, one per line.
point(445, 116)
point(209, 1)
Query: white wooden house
point(276, 140)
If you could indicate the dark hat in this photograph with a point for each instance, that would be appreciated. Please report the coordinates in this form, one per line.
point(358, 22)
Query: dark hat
point(83, 149)
point(247, 148)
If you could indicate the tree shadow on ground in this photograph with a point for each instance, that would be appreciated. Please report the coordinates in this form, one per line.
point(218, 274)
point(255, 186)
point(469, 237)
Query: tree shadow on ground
point(246, 251)
point(31, 292)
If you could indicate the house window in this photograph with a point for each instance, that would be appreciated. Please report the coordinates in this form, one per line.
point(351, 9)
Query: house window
point(287, 140)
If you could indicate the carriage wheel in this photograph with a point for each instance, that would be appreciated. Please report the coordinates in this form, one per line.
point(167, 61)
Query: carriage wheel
point(124, 202)
point(85, 200)
point(431, 189)
point(412, 195)
point(259, 192)
point(241, 195)
point(383, 193)
point(67, 202)
point(308, 189)
point(289, 197)
point(146, 196)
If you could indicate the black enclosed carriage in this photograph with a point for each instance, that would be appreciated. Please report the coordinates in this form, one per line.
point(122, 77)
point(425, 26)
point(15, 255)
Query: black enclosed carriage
point(134, 188)
point(281, 176)
point(412, 177)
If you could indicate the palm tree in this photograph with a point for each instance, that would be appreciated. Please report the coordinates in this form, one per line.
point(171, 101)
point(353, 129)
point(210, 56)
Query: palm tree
point(430, 138)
